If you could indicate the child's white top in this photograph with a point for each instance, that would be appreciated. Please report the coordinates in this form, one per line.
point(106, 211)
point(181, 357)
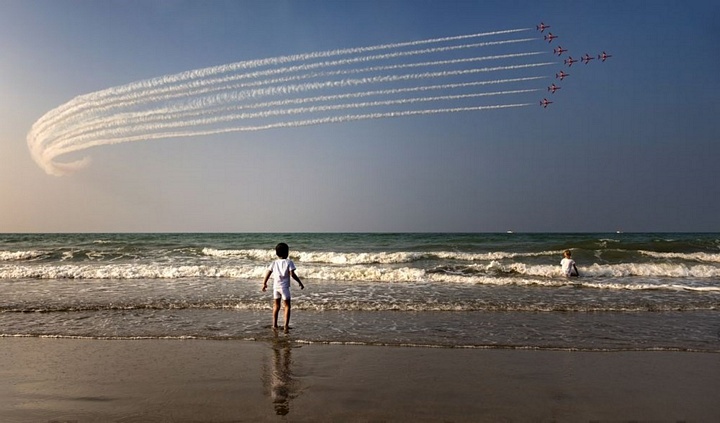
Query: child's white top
point(567, 266)
point(281, 272)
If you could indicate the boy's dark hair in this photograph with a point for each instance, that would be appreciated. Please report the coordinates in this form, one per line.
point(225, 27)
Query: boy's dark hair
point(282, 250)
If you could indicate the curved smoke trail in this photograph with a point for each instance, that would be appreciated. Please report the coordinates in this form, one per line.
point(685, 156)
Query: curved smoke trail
point(269, 93)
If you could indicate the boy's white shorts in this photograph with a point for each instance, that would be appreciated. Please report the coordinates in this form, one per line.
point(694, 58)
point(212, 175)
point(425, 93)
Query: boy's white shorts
point(281, 292)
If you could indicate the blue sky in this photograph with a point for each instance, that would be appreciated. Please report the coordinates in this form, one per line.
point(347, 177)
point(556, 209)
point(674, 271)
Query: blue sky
point(630, 144)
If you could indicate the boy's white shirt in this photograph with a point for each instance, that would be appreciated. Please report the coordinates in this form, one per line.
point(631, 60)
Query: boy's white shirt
point(567, 265)
point(281, 272)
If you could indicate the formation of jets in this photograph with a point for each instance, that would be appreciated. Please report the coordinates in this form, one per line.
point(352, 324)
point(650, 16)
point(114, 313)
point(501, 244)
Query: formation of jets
point(569, 61)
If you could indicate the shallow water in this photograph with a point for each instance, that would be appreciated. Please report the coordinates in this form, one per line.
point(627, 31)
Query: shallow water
point(636, 291)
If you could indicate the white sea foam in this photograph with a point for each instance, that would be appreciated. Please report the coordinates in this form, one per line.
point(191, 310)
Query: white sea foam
point(378, 257)
point(128, 271)
point(19, 255)
point(623, 277)
point(668, 270)
point(699, 256)
point(253, 254)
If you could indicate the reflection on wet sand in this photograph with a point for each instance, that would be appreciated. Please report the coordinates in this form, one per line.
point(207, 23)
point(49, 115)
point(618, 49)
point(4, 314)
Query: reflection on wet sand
point(279, 381)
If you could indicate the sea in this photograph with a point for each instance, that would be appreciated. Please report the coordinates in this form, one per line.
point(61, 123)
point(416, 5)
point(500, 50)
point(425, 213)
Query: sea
point(636, 291)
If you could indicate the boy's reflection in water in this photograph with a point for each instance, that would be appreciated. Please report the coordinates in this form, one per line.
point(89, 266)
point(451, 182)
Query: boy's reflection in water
point(279, 378)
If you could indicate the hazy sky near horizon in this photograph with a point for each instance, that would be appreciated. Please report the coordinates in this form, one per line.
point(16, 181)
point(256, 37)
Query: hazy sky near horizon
point(630, 144)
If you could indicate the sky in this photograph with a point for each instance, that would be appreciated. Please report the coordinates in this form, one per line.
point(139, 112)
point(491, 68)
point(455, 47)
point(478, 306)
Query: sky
point(630, 144)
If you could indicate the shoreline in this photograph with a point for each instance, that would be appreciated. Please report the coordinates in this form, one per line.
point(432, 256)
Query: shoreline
point(298, 343)
point(50, 379)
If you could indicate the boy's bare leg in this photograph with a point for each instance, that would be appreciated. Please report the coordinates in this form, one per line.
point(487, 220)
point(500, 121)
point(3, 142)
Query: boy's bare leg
point(287, 314)
point(276, 312)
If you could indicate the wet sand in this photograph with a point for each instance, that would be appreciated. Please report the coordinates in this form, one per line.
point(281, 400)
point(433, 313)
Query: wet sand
point(68, 380)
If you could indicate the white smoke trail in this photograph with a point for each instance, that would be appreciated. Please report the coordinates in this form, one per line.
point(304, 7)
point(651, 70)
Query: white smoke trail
point(283, 124)
point(96, 101)
point(158, 89)
point(205, 101)
point(41, 131)
point(209, 103)
point(178, 123)
point(197, 108)
point(201, 75)
point(393, 91)
point(294, 89)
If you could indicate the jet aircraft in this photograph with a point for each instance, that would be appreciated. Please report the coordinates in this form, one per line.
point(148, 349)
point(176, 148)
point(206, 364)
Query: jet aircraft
point(559, 50)
point(561, 75)
point(587, 58)
point(542, 27)
point(552, 88)
point(604, 56)
point(569, 61)
point(545, 102)
point(550, 37)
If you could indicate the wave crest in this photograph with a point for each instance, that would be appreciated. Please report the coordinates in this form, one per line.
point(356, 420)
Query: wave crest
point(381, 257)
point(20, 255)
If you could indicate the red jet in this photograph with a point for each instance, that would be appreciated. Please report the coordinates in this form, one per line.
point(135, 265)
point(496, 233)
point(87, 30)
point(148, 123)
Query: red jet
point(569, 61)
point(550, 37)
point(545, 102)
point(604, 56)
point(552, 88)
point(587, 58)
point(561, 75)
point(559, 50)
point(542, 27)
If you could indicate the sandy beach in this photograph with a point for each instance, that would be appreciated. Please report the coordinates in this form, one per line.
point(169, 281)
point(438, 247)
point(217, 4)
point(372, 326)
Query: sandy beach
point(68, 380)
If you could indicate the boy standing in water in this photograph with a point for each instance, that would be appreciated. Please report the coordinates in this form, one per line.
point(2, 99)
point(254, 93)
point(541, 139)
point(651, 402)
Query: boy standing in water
point(568, 264)
point(282, 270)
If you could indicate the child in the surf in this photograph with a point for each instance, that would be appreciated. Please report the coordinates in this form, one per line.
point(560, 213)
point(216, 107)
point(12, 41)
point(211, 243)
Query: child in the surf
point(282, 270)
point(568, 265)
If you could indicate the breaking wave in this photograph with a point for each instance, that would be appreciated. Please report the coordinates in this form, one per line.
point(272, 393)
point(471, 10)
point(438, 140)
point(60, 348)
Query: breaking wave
point(617, 276)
